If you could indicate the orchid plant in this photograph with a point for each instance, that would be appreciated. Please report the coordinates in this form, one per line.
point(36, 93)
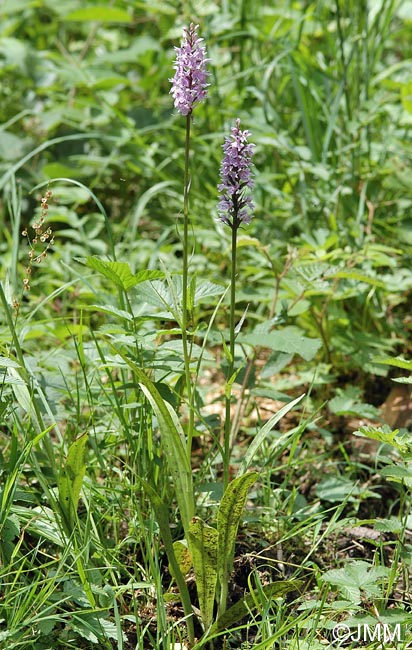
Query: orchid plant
point(209, 549)
point(235, 208)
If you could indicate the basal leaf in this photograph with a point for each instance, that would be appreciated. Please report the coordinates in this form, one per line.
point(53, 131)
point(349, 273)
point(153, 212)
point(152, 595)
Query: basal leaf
point(183, 557)
point(230, 511)
point(203, 543)
point(228, 518)
point(355, 578)
point(398, 474)
point(392, 525)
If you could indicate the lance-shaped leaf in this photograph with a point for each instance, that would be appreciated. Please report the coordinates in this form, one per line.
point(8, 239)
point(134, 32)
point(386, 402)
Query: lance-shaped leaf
point(70, 480)
point(228, 519)
point(203, 544)
point(264, 431)
point(173, 440)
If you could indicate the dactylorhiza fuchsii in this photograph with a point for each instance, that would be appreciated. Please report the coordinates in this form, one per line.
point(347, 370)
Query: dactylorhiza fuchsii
point(189, 84)
point(189, 87)
point(236, 204)
point(235, 209)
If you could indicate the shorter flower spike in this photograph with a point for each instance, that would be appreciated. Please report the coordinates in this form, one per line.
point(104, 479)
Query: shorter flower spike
point(236, 204)
point(189, 83)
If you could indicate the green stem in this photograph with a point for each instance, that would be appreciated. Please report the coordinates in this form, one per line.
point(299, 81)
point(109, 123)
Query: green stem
point(344, 62)
point(232, 338)
point(186, 347)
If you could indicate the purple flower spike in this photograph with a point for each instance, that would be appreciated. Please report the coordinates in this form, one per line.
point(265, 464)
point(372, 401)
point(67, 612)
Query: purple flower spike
point(236, 204)
point(189, 83)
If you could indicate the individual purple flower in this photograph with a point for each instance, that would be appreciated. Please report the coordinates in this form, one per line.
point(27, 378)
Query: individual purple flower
point(236, 204)
point(189, 85)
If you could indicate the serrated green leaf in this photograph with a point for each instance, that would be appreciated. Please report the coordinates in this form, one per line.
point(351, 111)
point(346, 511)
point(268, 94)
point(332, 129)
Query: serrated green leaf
point(342, 404)
point(114, 311)
point(99, 13)
point(46, 625)
point(288, 340)
point(355, 578)
point(120, 274)
point(382, 434)
point(5, 362)
point(392, 525)
point(71, 478)
point(203, 544)
point(337, 488)
point(361, 277)
point(206, 289)
point(398, 473)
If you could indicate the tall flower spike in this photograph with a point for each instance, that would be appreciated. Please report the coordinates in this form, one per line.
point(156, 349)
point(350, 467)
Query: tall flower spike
point(189, 83)
point(236, 204)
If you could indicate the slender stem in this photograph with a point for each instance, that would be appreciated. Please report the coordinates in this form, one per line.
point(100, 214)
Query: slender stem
point(343, 60)
point(25, 375)
point(232, 337)
point(186, 348)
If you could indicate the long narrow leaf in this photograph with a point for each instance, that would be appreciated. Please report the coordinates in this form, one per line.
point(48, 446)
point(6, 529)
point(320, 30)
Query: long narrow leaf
point(176, 454)
point(173, 442)
point(203, 543)
point(228, 518)
point(70, 480)
point(162, 518)
point(247, 604)
point(264, 431)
